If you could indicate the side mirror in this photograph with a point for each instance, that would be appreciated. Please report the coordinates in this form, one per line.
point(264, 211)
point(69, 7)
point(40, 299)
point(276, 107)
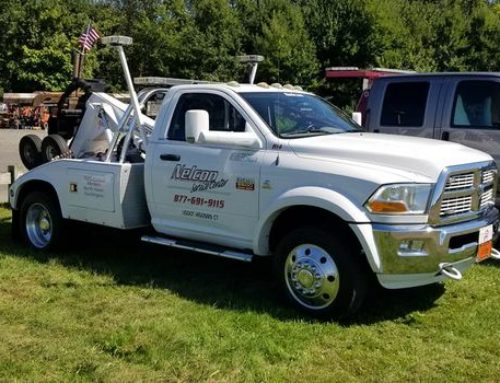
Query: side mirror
point(357, 117)
point(196, 122)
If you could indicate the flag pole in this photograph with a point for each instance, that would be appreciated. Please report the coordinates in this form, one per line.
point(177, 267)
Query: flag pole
point(82, 53)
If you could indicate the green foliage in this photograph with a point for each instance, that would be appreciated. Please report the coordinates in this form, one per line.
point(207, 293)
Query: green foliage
point(37, 42)
point(284, 41)
point(342, 32)
point(483, 36)
point(200, 38)
point(441, 35)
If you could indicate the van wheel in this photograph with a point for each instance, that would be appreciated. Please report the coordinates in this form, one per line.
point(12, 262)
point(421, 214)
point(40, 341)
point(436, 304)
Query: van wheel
point(41, 221)
point(52, 146)
point(319, 273)
point(30, 147)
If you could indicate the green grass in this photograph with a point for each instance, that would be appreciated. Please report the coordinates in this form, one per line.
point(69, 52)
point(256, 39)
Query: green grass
point(115, 310)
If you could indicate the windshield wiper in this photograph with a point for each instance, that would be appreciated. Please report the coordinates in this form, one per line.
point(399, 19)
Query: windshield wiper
point(302, 134)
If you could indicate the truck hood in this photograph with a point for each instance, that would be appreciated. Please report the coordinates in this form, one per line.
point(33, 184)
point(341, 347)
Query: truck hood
point(422, 156)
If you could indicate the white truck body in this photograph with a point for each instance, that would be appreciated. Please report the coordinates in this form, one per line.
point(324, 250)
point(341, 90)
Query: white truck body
point(240, 190)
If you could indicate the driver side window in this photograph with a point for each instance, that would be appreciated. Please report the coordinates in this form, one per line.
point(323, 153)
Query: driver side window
point(222, 115)
point(477, 104)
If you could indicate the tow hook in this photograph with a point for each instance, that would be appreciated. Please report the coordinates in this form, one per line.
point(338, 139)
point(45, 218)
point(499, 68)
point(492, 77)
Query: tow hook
point(495, 254)
point(450, 271)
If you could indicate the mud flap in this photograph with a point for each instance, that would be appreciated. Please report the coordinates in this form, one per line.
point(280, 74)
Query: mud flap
point(15, 227)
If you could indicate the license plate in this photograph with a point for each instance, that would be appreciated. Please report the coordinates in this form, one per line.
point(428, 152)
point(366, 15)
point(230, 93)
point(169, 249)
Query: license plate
point(485, 243)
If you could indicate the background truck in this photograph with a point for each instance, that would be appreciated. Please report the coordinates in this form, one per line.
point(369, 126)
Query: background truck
point(457, 107)
point(243, 170)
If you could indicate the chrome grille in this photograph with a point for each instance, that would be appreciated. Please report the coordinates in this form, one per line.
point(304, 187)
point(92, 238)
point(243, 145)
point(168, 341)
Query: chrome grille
point(463, 193)
point(456, 205)
point(460, 181)
point(486, 198)
point(488, 176)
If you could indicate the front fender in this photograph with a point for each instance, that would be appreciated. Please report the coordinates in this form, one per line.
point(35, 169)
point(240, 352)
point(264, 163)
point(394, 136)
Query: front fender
point(313, 196)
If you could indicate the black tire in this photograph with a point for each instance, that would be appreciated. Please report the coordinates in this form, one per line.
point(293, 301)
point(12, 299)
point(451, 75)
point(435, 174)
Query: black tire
point(52, 146)
point(320, 274)
point(41, 222)
point(30, 148)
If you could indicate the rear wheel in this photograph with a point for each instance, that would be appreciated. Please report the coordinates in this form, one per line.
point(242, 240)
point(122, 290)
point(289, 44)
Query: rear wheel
point(319, 273)
point(30, 147)
point(41, 221)
point(52, 146)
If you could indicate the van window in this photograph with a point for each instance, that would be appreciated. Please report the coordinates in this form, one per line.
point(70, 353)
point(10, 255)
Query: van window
point(404, 104)
point(476, 104)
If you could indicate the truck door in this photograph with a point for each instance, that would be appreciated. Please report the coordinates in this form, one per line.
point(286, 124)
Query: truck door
point(206, 192)
point(472, 115)
point(408, 107)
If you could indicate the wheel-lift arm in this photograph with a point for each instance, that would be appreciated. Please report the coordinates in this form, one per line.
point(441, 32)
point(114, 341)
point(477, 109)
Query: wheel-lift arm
point(119, 42)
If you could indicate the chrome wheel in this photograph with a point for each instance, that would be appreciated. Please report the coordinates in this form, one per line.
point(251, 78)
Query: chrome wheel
point(38, 225)
point(312, 276)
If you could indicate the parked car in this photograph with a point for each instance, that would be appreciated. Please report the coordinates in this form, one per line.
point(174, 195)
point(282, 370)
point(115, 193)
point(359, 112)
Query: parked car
point(457, 107)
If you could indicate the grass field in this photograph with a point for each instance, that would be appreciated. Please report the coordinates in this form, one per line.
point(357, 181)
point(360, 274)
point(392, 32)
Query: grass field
point(115, 310)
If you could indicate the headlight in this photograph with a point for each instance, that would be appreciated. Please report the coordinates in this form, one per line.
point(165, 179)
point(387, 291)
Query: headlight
point(400, 199)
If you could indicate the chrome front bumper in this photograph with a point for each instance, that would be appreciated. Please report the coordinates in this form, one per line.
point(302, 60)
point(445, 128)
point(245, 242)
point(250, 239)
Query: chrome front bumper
point(454, 244)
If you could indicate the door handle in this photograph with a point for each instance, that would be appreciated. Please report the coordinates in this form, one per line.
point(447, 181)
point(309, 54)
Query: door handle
point(170, 157)
point(445, 136)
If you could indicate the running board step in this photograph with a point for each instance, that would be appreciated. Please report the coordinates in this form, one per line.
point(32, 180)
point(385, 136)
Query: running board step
point(199, 247)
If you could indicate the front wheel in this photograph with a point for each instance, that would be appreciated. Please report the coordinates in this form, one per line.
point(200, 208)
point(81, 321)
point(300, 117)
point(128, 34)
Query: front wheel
point(41, 221)
point(319, 273)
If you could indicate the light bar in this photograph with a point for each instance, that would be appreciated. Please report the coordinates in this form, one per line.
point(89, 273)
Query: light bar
point(117, 40)
point(393, 70)
point(250, 58)
point(343, 68)
point(169, 81)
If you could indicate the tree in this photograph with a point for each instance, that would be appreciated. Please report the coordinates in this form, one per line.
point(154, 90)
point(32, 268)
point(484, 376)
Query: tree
point(284, 41)
point(200, 38)
point(483, 51)
point(342, 31)
point(36, 46)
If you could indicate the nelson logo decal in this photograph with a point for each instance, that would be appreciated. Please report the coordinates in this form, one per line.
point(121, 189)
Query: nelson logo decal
point(203, 179)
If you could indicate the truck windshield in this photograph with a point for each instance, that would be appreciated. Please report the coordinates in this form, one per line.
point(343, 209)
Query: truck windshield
point(295, 115)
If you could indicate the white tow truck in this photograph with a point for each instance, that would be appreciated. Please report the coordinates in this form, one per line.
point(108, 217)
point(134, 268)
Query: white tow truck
point(243, 171)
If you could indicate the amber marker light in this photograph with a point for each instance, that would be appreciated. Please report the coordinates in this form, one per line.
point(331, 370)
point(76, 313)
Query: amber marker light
point(387, 207)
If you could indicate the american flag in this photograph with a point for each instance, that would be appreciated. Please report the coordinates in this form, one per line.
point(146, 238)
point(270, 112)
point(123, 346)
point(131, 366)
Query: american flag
point(89, 38)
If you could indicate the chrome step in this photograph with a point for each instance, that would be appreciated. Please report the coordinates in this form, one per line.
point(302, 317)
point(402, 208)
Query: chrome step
point(198, 247)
